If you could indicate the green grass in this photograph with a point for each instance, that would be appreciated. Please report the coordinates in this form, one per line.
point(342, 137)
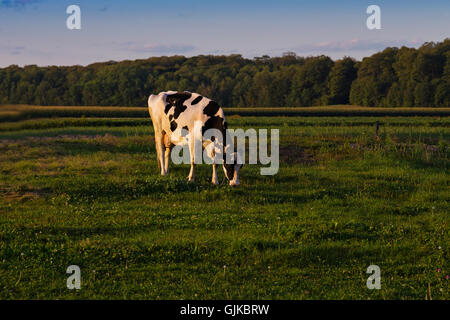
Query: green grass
point(24, 112)
point(86, 191)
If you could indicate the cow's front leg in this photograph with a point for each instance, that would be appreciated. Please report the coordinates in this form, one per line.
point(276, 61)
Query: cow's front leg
point(212, 154)
point(210, 149)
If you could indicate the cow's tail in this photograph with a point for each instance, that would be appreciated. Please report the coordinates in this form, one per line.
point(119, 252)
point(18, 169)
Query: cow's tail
point(158, 151)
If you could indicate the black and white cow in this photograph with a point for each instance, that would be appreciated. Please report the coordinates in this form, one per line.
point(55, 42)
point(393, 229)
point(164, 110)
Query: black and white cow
point(175, 114)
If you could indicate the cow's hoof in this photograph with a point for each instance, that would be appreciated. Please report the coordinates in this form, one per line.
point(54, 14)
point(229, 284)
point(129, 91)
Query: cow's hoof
point(234, 184)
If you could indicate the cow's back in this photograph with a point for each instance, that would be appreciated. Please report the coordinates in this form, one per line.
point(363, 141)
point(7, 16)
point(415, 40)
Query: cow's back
point(173, 111)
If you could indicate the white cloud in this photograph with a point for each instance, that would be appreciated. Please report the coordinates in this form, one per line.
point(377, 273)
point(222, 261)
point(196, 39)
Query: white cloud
point(355, 45)
point(156, 48)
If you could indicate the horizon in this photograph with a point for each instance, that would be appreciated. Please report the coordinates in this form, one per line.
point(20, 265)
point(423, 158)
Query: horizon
point(214, 55)
point(34, 32)
point(218, 55)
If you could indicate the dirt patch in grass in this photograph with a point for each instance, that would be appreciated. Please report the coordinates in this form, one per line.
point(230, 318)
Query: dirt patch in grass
point(7, 195)
point(19, 196)
point(294, 154)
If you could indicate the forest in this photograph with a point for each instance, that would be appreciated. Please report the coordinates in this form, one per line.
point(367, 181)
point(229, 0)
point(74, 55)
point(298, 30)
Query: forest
point(394, 77)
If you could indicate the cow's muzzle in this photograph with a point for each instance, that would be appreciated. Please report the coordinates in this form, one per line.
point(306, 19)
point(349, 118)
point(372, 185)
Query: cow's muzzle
point(234, 183)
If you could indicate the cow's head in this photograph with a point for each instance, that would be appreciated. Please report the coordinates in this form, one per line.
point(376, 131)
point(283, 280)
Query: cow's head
point(231, 169)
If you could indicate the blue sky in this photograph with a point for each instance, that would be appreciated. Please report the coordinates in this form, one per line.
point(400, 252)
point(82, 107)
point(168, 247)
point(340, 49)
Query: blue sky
point(35, 32)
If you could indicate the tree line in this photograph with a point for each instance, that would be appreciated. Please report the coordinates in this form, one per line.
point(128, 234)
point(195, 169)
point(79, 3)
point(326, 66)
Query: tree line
point(394, 77)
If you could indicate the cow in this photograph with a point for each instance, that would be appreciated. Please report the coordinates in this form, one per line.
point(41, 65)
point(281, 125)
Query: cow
point(175, 115)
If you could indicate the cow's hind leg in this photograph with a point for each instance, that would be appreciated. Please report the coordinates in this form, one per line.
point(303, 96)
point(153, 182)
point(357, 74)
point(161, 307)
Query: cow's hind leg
point(168, 146)
point(192, 156)
point(166, 160)
point(214, 179)
point(159, 145)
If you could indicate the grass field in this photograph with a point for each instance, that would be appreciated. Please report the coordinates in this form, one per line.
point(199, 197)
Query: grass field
point(26, 112)
point(86, 191)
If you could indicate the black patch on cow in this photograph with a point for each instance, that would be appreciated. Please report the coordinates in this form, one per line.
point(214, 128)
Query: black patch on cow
point(171, 117)
point(178, 110)
point(177, 99)
point(173, 125)
point(213, 123)
point(211, 109)
point(197, 100)
point(167, 108)
point(185, 133)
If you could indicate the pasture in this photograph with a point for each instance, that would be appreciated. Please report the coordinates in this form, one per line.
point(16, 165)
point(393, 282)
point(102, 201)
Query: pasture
point(86, 191)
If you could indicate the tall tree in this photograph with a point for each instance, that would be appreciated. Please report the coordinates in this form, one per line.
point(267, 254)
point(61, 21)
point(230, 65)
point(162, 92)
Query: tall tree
point(340, 80)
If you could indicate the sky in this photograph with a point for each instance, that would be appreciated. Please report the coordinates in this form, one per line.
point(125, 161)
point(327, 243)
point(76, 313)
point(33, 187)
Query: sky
point(35, 31)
